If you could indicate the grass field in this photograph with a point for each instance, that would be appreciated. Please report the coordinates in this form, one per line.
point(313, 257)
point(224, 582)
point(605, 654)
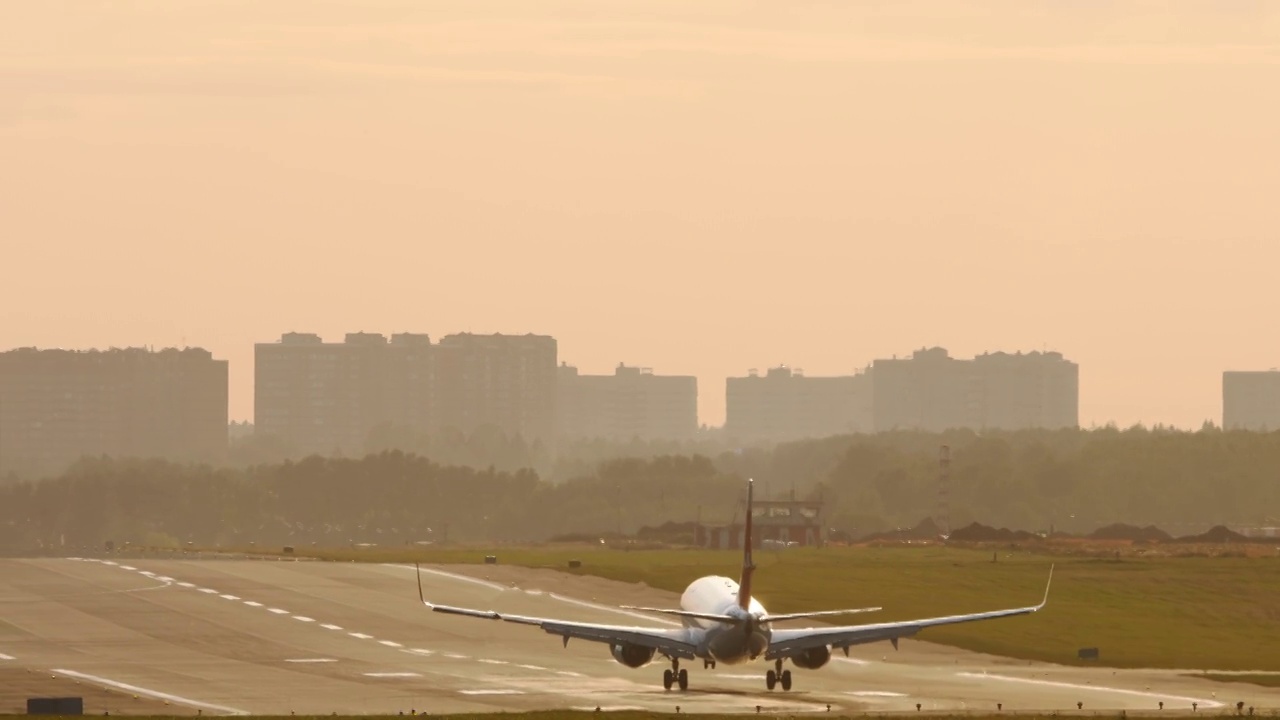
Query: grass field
point(1193, 613)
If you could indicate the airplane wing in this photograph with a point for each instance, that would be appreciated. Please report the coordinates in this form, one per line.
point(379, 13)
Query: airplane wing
point(685, 613)
point(820, 613)
point(672, 642)
point(786, 643)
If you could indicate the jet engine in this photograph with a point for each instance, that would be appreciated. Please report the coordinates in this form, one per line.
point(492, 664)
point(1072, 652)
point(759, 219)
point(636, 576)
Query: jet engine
point(632, 656)
point(813, 658)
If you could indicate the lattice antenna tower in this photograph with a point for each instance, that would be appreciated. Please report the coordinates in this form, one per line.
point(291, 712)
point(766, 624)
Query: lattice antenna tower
point(942, 514)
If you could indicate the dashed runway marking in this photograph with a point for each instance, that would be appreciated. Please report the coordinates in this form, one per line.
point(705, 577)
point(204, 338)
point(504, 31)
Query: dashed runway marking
point(7, 657)
point(421, 652)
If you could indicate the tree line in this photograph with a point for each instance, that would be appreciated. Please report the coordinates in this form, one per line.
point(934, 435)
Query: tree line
point(1069, 480)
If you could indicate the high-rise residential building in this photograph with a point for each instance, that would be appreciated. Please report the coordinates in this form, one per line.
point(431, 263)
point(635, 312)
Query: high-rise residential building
point(329, 398)
point(784, 404)
point(1019, 391)
point(335, 398)
point(57, 406)
point(630, 404)
point(933, 391)
point(1251, 400)
point(501, 382)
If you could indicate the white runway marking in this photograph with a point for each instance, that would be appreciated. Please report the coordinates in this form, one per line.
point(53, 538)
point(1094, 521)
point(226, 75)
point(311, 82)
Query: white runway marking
point(619, 611)
point(327, 626)
point(165, 578)
point(453, 576)
point(278, 611)
point(128, 567)
point(526, 667)
point(420, 651)
point(390, 643)
point(302, 618)
point(228, 597)
point(148, 573)
point(7, 657)
point(851, 661)
point(1096, 688)
point(150, 693)
point(185, 585)
point(393, 675)
point(569, 673)
point(109, 562)
point(496, 691)
point(488, 661)
point(311, 660)
point(360, 636)
point(209, 591)
point(251, 603)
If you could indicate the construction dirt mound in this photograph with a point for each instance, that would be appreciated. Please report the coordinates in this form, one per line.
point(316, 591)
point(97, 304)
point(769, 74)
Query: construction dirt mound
point(927, 529)
point(1216, 535)
point(977, 532)
point(1121, 531)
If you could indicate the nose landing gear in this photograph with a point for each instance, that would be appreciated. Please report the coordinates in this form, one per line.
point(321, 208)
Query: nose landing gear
point(675, 676)
point(778, 675)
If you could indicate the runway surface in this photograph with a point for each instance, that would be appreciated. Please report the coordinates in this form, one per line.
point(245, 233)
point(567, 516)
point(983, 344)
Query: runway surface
point(267, 637)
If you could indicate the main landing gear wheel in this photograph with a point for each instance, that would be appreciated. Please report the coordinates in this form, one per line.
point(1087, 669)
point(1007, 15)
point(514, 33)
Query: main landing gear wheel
point(675, 676)
point(778, 675)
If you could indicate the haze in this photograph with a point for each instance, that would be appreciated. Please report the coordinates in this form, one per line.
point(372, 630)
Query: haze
point(698, 187)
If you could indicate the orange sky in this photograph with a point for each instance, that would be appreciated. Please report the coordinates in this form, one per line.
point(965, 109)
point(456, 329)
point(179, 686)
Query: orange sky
point(700, 187)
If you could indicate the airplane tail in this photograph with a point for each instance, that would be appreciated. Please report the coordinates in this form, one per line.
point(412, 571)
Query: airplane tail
point(748, 567)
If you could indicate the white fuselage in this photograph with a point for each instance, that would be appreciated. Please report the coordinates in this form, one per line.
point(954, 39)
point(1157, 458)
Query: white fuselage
point(720, 641)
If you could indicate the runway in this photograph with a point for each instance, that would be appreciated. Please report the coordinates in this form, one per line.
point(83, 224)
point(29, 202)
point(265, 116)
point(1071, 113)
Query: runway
point(231, 637)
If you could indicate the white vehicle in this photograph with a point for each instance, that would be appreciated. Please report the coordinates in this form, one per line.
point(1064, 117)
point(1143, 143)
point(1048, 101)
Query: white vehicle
point(724, 624)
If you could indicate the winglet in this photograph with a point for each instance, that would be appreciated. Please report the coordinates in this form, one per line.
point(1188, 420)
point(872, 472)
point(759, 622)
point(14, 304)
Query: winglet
point(1045, 601)
point(418, 570)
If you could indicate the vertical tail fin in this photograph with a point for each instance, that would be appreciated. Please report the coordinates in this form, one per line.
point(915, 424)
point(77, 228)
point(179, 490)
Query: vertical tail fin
point(748, 567)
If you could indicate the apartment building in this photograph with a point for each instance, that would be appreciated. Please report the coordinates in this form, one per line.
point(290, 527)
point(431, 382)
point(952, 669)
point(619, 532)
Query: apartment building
point(57, 406)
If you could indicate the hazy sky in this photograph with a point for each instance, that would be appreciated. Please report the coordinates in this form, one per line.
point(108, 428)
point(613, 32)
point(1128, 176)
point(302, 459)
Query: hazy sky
point(701, 187)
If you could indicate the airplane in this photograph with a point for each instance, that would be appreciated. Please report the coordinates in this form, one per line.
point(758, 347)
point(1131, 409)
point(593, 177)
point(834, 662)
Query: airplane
point(723, 623)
